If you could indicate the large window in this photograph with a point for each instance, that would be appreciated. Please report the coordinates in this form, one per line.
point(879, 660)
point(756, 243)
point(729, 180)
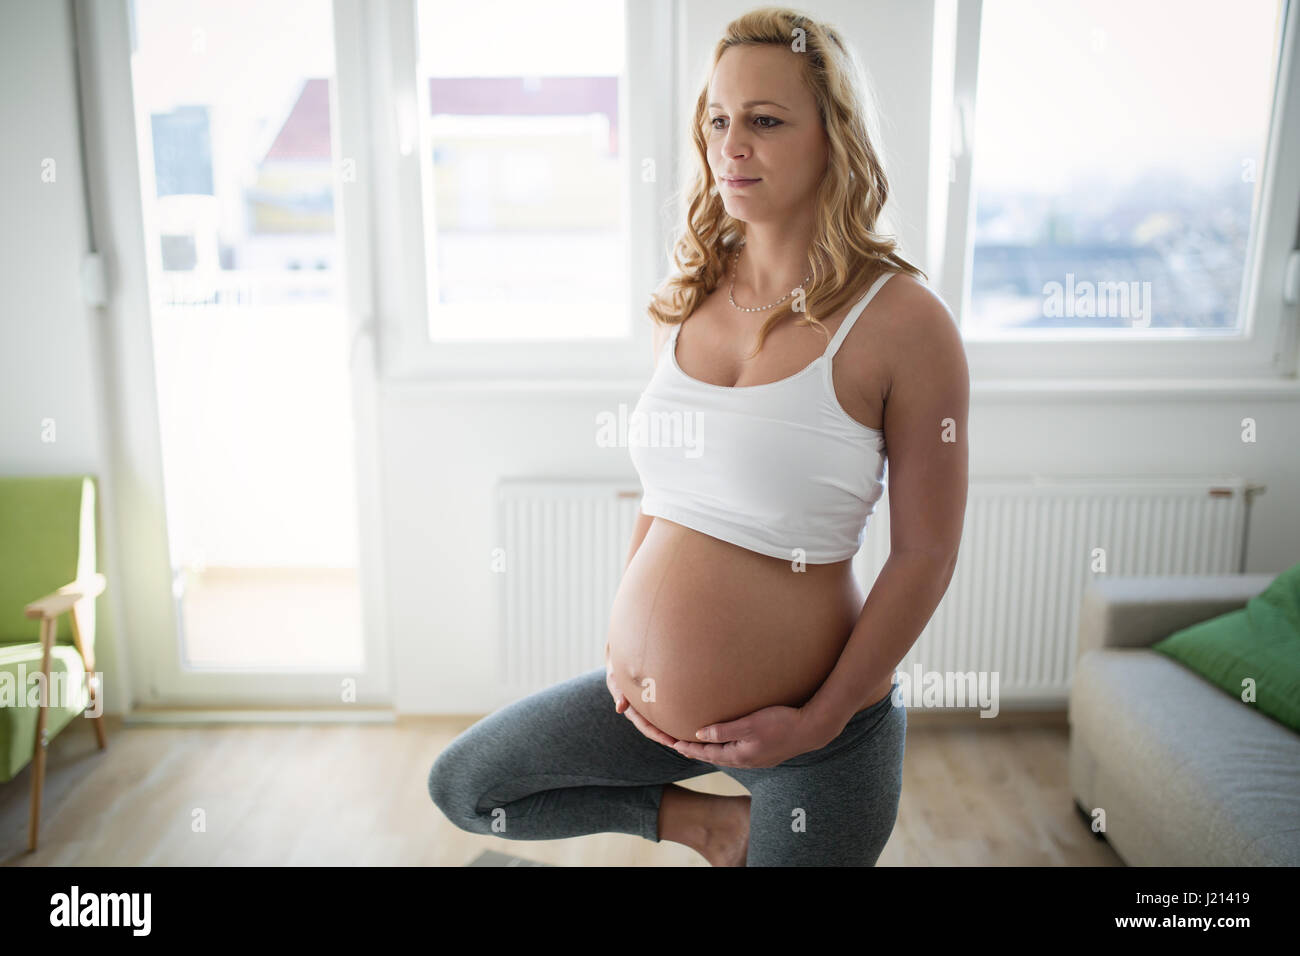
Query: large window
point(1118, 153)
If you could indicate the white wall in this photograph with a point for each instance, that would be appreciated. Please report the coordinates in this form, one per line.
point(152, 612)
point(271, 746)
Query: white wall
point(49, 340)
point(443, 450)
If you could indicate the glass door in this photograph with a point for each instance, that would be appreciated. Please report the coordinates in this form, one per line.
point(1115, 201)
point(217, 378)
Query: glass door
point(262, 394)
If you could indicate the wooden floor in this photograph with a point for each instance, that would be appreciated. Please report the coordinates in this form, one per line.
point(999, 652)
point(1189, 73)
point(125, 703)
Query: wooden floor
point(269, 795)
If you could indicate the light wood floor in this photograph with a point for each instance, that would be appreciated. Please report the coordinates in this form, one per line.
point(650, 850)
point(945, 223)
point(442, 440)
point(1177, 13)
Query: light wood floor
point(269, 795)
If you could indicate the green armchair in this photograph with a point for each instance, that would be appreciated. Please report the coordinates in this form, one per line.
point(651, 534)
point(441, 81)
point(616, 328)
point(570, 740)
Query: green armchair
point(47, 575)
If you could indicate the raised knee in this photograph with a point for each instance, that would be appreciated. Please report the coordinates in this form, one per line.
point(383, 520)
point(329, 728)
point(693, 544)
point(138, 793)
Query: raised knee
point(444, 773)
point(452, 791)
point(444, 785)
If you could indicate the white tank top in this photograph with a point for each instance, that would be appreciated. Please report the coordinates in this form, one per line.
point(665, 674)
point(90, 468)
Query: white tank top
point(779, 468)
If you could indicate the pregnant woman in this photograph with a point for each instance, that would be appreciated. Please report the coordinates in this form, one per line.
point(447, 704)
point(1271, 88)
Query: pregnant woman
point(740, 640)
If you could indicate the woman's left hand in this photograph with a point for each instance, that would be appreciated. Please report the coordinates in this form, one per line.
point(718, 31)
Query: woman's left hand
point(764, 738)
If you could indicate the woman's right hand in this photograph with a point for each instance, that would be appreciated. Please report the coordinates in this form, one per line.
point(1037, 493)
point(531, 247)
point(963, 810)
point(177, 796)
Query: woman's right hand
point(622, 706)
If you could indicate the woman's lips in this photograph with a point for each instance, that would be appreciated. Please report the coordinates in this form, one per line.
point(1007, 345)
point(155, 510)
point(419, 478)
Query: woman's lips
point(740, 183)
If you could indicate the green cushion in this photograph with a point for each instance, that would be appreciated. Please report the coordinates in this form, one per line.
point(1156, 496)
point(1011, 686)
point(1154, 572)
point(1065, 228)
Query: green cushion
point(18, 664)
point(1260, 641)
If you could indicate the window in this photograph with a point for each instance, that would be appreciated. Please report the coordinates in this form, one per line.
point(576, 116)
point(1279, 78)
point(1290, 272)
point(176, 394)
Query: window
point(1121, 202)
point(523, 178)
point(1118, 149)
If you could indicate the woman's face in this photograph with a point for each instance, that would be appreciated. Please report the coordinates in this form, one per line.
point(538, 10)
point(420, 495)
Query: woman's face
point(761, 124)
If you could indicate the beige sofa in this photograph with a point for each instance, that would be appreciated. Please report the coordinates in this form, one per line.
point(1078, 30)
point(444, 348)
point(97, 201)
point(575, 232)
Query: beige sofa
point(1186, 774)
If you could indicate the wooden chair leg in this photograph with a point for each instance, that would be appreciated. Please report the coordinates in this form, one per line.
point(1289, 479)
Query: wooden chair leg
point(97, 722)
point(88, 662)
point(48, 630)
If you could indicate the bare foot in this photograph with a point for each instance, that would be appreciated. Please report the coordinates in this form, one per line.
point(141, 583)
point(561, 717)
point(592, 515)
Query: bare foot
point(726, 841)
point(713, 825)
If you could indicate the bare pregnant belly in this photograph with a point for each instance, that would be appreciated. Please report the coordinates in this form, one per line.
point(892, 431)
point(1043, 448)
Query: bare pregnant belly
point(703, 631)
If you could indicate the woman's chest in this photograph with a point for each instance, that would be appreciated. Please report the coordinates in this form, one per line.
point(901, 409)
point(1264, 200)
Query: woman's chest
point(715, 349)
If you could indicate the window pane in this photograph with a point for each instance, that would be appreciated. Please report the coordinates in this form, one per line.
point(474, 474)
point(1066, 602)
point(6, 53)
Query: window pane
point(523, 179)
point(1118, 152)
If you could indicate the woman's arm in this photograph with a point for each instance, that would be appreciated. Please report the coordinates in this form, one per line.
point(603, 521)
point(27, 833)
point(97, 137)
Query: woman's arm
point(926, 436)
point(658, 335)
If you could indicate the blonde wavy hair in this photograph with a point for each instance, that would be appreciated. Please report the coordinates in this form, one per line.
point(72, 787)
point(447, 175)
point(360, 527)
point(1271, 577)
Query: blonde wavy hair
point(847, 253)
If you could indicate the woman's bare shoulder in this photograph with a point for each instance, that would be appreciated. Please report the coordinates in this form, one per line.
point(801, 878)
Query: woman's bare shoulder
point(911, 291)
point(908, 309)
point(920, 334)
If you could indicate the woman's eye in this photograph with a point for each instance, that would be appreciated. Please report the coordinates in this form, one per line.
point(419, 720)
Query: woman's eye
point(774, 122)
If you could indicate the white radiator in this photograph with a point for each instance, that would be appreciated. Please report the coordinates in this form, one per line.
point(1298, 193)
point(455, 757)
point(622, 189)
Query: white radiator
point(564, 545)
point(1027, 553)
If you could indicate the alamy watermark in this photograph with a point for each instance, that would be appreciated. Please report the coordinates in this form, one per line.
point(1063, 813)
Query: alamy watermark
point(77, 908)
point(651, 429)
point(1086, 299)
point(978, 689)
point(64, 690)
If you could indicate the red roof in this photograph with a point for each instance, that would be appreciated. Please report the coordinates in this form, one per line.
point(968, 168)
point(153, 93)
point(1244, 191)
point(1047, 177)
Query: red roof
point(306, 130)
point(305, 133)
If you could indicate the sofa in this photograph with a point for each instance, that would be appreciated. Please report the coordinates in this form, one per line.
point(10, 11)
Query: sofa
point(1186, 774)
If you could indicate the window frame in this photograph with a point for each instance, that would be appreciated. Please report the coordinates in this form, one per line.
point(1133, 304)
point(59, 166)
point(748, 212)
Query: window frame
point(395, 97)
point(1265, 347)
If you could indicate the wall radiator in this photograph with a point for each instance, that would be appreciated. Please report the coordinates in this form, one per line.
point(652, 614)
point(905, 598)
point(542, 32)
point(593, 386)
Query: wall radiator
point(1027, 553)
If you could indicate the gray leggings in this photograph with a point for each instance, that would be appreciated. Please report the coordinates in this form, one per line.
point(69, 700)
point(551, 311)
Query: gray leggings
point(561, 763)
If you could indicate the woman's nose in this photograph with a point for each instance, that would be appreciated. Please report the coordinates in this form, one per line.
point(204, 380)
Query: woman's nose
point(735, 145)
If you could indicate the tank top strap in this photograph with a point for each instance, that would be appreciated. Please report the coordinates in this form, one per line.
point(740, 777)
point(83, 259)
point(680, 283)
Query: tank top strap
point(843, 331)
point(670, 343)
point(670, 340)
